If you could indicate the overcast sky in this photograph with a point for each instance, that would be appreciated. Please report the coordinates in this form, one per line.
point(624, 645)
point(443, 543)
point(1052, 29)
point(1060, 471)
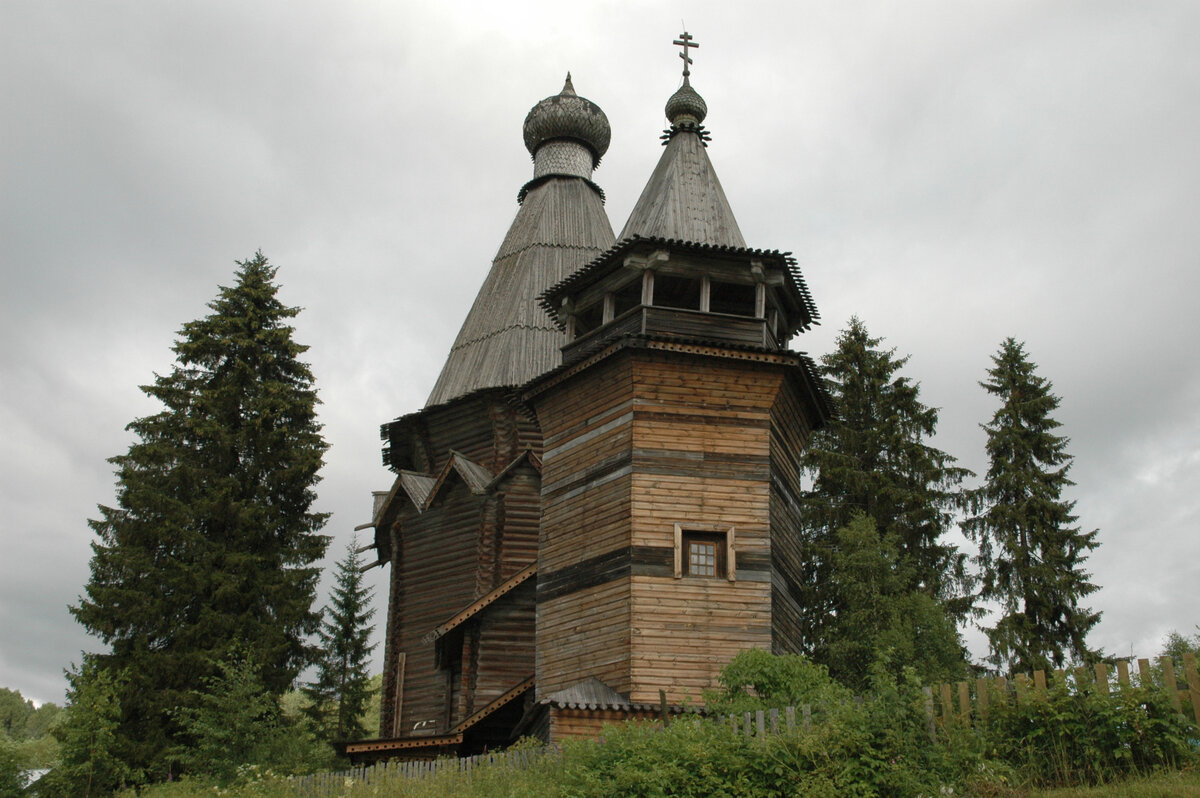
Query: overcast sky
point(953, 173)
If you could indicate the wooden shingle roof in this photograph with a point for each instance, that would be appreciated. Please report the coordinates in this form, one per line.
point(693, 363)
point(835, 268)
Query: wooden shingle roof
point(683, 199)
point(506, 339)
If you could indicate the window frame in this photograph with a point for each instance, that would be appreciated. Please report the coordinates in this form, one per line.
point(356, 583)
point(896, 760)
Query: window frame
point(683, 532)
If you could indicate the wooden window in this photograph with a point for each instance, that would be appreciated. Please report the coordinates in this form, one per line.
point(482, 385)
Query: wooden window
point(705, 551)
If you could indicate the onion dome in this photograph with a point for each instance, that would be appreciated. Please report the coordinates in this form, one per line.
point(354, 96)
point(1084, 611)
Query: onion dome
point(566, 115)
point(686, 106)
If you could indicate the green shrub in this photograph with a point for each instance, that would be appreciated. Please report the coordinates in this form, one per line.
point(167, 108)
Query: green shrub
point(1086, 736)
point(756, 679)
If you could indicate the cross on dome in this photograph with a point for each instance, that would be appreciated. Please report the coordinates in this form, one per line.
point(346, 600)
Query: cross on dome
point(685, 41)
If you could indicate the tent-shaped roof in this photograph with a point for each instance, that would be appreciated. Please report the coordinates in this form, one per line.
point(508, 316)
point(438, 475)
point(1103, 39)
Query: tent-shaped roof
point(506, 340)
point(683, 199)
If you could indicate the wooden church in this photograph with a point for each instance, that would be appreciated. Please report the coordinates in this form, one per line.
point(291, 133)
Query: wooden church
point(599, 500)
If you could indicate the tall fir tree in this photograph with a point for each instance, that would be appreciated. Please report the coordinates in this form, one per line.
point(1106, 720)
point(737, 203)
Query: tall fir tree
point(873, 459)
point(213, 540)
point(340, 694)
point(1031, 554)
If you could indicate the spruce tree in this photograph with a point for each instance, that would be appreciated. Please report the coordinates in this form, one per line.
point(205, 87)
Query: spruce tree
point(1031, 554)
point(873, 459)
point(340, 694)
point(212, 540)
point(881, 618)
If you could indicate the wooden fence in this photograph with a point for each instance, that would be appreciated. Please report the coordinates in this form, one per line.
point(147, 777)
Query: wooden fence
point(946, 705)
point(324, 785)
point(965, 702)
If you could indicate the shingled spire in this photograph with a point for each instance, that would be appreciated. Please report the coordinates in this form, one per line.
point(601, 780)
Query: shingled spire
point(683, 199)
point(506, 339)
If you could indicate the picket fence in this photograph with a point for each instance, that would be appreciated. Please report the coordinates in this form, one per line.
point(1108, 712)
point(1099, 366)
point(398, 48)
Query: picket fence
point(946, 705)
point(325, 785)
point(963, 703)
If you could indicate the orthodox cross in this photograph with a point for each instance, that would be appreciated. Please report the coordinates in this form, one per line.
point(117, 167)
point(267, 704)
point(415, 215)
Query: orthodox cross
point(685, 41)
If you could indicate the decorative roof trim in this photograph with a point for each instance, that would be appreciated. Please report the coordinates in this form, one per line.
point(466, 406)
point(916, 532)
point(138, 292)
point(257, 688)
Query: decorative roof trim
point(475, 607)
point(686, 127)
point(537, 181)
point(783, 357)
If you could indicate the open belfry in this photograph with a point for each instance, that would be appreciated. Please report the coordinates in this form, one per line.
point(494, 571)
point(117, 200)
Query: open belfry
point(597, 506)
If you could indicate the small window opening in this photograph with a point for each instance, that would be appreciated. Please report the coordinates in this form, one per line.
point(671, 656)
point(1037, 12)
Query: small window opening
point(732, 298)
point(676, 292)
point(627, 297)
point(589, 318)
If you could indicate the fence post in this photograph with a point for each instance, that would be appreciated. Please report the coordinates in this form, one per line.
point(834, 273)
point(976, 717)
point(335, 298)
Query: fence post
point(1168, 667)
point(947, 706)
point(1022, 687)
point(1039, 684)
point(662, 701)
point(1123, 673)
point(1102, 677)
point(806, 710)
point(1193, 680)
point(964, 704)
point(982, 688)
point(789, 715)
point(1144, 672)
point(774, 717)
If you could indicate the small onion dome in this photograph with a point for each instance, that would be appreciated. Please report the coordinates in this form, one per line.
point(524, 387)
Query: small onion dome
point(686, 105)
point(566, 115)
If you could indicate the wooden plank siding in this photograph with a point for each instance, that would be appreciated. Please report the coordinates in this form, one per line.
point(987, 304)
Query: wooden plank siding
point(791, 427)
point(636, 443)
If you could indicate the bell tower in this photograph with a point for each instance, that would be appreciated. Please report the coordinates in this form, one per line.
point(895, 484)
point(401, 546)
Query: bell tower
point(672, 433)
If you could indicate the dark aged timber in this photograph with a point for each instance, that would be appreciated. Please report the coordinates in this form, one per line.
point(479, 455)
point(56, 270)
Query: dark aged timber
point(598, 501)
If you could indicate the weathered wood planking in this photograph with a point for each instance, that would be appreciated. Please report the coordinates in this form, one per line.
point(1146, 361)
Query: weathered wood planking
point(635, 444)
point(461, 547)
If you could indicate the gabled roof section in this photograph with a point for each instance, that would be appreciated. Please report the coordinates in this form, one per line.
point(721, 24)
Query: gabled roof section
point(525, 457)
point(417, 487)
point(506, 340)
point(683, 199)
point(474, 476)
point(411, 485)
